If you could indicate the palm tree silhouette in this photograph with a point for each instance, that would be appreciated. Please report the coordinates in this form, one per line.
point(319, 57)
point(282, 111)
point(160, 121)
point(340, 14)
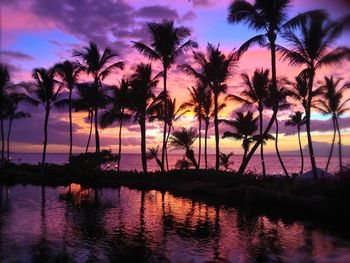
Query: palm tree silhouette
point(99, 65)
point(142, 84)
point(215, 68)
point(90, 98)
point(153, 153)
point(120, 101)
point(331, 104)
point(167, 44)
point(310, 46)
point(255, 93)
point(244, 128)
point(207, 113)
point(44, 92)
point(267, 16)
point(197, 97)
point(69, 72)
point(184, 139)
point(171, 115)
point(13, 113)
point(4, 85)
point(297, 120)
point(225, 160)
point(277, 100)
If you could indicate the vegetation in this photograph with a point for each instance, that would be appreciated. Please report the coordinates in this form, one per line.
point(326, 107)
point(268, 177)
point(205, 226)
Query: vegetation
point(310, 40)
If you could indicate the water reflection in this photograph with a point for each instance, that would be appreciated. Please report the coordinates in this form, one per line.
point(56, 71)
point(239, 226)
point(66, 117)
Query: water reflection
point(77, 224)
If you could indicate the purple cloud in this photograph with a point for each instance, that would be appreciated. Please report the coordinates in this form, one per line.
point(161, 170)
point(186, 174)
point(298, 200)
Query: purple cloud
point(157, 12)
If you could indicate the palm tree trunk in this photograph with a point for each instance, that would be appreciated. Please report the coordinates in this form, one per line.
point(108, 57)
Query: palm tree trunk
point(8, 139)
point(333, 140)
point(308, 126)
point(70, 125)
point(262, 145)
point(47, 112)
point(340, 150)
point(143, 144)
point(277, 150)
point(165, 113)
point(97, 136)
point(216, 124)
point(257, 144)
point(200, 140)
point(166, 147)
point(91, 121)
point(2, 141)
point(301, 152)
point(120, 142)
point(206, 145)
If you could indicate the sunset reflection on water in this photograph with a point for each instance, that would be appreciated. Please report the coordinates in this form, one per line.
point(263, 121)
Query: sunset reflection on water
point(81, 224)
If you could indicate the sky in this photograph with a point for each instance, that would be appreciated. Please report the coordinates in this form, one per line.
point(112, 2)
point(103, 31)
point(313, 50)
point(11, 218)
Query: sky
point(39, 33)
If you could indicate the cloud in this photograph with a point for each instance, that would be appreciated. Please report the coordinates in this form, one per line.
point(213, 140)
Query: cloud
point(157, 12)
point(15, 55)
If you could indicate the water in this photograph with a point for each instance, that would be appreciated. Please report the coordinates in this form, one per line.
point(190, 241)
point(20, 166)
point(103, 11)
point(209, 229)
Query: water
point(133, 162)
point(50, 225)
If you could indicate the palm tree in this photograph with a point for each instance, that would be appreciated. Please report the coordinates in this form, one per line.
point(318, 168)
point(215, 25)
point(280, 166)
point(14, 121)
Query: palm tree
point(207, 114)
point(267, 16)
point(90, 98)
point(331, 104)
point(197, 97)
point(171, 115)
point(4, 84)
point(69, 72)
point(44, 92)
point(244, 128)
point(99, 65)
point(255, 93)
point(153, 153)
point(215, 68)
point(120, 101)
point(297, 120)
point(277, 100)
point(12, 113)
point(225, 160)
point(142, 84)
point(184, 139)
point(310, 46)
point(167, 44)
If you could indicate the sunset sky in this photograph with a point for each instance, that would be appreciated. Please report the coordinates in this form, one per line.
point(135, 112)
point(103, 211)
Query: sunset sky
point(39, 33)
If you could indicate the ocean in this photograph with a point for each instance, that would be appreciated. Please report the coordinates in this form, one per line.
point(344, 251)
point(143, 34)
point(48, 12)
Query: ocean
point(132, 161)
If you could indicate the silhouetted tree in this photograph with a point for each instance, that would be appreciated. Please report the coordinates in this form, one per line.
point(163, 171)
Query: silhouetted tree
point(197, 97)
point(90, 98)
point(244, 128)
point(225, 160)
point(69, 72)
point(184, 139)
point(167, 43)
point(255, 93)
point(44, 91)
point(153, 153)
point(297, 120)
point(120, 102)
point(141, 94)
point(4, 85)
point(277, 100)
point(99, 65)
point(12, 113)
point(310, 46)
point(331, 104)
point(215, 68)
point(171, 115)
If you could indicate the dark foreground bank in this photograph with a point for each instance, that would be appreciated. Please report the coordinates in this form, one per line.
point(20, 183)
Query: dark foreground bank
point(319, 200)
